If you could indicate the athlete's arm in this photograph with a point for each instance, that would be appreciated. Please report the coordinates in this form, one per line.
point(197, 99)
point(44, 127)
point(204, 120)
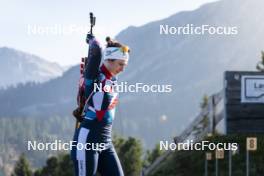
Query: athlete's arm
point(94, 59)
point(92, 65)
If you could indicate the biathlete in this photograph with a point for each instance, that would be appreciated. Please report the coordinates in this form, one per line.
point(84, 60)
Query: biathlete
point(93, 150)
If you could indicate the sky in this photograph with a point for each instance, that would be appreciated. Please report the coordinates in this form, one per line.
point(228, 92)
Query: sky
point(56, 30)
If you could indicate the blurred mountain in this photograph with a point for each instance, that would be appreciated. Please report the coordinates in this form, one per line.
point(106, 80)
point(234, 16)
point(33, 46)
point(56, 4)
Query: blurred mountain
point(54, 97)
point(20, 67)
point(192, 64)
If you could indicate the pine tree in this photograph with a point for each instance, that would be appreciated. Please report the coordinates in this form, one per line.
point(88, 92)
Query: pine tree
point(22, 167)
point(51, 167)
point(204, 102)
point(260, 64)
point(203, 124)
point(65, 167)
point(57, 166)
point(130, 156)
point(152, 155)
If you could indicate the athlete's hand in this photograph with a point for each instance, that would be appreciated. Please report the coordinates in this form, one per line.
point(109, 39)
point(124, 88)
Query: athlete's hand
point(77, 113)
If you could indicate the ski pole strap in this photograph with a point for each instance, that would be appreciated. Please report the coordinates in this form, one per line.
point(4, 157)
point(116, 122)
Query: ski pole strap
point(86, 102)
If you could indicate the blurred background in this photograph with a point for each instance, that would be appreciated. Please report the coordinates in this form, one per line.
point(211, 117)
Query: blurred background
point(42, 43)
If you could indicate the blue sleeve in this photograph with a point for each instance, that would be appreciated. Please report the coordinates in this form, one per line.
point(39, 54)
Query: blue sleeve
point(94, 60)
point(92, 65)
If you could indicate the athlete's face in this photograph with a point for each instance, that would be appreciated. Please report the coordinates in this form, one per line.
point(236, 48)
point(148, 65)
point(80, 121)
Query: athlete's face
point(117, 66)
